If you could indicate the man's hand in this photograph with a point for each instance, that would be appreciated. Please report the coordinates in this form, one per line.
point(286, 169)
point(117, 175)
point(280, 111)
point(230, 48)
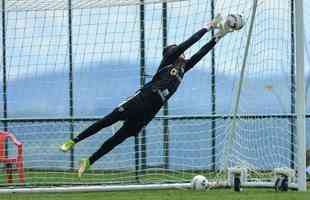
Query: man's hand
point(229, 24)
point(215, 23)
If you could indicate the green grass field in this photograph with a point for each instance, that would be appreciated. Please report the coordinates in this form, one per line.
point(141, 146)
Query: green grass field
point(221, 194)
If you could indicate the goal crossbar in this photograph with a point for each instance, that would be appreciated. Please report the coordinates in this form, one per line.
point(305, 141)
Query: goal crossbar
point(32, 5)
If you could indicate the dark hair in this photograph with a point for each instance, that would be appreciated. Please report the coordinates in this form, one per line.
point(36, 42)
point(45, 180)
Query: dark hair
point(168, 49)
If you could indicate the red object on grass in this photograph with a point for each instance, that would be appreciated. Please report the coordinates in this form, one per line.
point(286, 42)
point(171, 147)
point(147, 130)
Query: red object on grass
point(18, 159)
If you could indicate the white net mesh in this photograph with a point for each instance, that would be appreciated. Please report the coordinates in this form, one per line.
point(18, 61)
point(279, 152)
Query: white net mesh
point(106, 69)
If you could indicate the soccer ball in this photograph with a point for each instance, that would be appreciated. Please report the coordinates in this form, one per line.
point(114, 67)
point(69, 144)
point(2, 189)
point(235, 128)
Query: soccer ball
point(199, 182)
point(235, 22)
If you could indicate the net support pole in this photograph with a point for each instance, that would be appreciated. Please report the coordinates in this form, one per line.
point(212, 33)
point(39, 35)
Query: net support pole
point(300, 96)
point(166, 111)
point(293, 84)
point(213, 95)
point(4, 73)
point(142, 82)
point(4, 77)
point(232, 131)
point(71, 103)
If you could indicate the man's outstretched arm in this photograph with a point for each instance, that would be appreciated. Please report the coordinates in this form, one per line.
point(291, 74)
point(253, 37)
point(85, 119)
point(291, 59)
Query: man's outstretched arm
point(230, 24)
point(190, 41)
point(186, 44)
point(200, 54)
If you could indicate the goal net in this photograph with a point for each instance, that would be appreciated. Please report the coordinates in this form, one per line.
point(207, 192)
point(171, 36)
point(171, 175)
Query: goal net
point(65, 64)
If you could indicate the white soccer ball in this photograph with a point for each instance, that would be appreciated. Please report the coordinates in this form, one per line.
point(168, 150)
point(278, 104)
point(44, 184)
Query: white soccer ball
point(199, 182)
point(235, 21)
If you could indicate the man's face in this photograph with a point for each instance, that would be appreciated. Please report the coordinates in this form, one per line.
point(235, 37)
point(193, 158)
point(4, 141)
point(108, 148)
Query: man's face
point(181, 59)
point(182, 56)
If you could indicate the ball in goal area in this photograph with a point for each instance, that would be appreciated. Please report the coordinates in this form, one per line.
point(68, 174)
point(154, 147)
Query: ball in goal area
point(240, 112)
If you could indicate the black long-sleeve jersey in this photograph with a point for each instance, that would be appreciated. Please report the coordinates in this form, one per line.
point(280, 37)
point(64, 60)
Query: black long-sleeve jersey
point(171, 70)
point(143, 106)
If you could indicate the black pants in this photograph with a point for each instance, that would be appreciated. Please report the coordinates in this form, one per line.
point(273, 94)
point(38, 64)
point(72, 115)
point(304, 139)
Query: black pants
point(136, 113)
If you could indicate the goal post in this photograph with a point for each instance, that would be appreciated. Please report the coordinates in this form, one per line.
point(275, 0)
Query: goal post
point(65, 64)
point(300, 96)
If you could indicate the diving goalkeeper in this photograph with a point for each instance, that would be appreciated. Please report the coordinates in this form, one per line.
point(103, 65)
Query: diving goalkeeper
point(141, 108)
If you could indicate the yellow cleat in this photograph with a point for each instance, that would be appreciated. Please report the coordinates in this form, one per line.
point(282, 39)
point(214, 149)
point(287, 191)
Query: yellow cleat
point(67, 146)
point(84, 165)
